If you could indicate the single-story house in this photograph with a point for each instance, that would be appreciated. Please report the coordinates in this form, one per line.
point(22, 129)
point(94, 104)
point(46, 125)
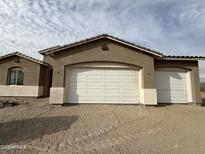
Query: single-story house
point(104, 69)
point(23, 76)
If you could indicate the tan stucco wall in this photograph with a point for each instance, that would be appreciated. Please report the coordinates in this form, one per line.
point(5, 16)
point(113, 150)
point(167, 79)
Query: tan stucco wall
point(31, 70)
point(92, 52)
point(32, 73)
point(194, 73)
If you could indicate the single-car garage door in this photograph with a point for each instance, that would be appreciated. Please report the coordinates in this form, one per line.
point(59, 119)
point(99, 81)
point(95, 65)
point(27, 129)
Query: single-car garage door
point(102, 85)
point(171, 86)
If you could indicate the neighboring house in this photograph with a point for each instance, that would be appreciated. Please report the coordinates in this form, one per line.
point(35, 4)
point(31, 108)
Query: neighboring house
point(21, 75)
point(106, 69)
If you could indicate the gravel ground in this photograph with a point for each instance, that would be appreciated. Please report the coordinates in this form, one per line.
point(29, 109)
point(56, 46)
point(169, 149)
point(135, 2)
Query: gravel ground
point(88, 129)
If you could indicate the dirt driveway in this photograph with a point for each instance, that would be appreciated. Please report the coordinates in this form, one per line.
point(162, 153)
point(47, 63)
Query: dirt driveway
point(102, 129)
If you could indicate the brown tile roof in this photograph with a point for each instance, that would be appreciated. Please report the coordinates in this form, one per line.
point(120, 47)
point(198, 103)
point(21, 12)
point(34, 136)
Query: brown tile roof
point(23, 56)
point(66, 46)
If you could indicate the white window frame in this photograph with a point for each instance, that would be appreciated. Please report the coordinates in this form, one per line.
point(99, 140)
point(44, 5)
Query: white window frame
point(17, 74)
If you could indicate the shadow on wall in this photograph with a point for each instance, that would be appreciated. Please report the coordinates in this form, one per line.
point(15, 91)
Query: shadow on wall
point(164, 86)
point(203, 102)
point(74, 80)
point(30, 129)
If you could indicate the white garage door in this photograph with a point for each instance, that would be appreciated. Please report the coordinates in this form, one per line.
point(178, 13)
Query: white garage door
point(102, 85)
point(171, 86)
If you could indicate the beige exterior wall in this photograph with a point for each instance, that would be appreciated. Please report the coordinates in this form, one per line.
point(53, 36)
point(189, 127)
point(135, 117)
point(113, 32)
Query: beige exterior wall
point(193, 75)
point(56, 95)
point(31, 70)
point(34, 78)
point(92, 52)
point(21, 91)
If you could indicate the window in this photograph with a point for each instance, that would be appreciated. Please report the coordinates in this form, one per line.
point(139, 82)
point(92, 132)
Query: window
point(15, 76)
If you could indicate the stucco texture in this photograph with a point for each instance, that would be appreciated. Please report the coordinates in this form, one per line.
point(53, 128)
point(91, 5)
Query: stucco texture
point(34, 73)
point(31, 70)
point(92, 52)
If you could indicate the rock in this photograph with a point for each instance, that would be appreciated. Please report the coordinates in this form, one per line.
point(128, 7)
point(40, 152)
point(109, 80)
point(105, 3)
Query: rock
point(61, 145)
point(8, 103)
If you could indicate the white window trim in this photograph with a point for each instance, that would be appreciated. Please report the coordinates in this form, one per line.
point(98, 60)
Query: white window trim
point(16, 79)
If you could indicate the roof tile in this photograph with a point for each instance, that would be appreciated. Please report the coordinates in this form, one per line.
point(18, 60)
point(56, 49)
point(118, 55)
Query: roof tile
point(23, 56)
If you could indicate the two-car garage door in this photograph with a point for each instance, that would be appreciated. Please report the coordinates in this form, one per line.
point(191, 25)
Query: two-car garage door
point(172, 86)
point(121, 85)
point(102, 85)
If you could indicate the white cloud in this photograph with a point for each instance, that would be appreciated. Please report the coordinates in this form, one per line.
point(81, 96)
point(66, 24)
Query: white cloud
point(171, 26)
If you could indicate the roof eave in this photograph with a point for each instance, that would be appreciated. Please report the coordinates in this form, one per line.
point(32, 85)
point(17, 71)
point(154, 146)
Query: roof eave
point(24, 57)
point(60, 48)
point(183, 59)
point(139, 48)
point(44, 52)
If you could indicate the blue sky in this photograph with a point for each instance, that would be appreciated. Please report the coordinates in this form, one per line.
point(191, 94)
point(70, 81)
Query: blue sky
point(170, 26)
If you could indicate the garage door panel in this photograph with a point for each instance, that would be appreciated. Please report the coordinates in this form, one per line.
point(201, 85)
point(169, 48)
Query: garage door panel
point(77, 78)
point(94, 99)
point(97, 94)
point(96, 77)
point(94, 91)
point(76, 99)
point(171, 86)
point(178, 87)
point(129, 78)
point(129, 85)
point(77, 92)
point(177, 78)
point(112, 99)
point(101, 85)
point(171, 80)
point(130, 92)
point(128, 99)
point(94, 84)
point(75, 72)
point(164, 96)
point(77, 83)
point(134, 95)
point(112, 77)
point(112, 91)
point(112, 84)
point(129, 89)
